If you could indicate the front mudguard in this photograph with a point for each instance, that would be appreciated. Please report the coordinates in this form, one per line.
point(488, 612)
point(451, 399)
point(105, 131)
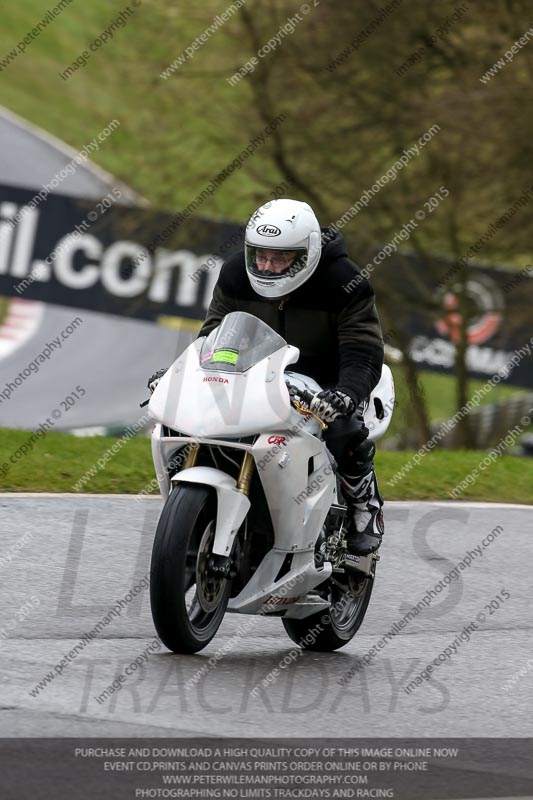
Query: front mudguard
point(232, 505)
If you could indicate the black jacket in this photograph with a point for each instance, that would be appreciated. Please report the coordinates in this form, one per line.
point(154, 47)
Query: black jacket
point(332, 318)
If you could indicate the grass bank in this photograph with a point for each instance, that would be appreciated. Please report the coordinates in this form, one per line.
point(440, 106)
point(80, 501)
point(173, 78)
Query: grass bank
point(58, 461)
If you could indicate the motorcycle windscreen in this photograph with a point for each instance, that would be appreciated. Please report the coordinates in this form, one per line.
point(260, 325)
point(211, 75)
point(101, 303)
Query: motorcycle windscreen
point(240, 341)
point(240, 392)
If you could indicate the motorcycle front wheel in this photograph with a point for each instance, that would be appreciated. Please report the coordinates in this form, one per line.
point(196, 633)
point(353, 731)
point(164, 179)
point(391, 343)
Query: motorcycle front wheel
point(188, 602)
point(333, 628)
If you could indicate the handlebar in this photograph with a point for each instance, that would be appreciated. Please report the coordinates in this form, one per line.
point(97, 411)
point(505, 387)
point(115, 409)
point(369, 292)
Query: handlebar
point(305, 396)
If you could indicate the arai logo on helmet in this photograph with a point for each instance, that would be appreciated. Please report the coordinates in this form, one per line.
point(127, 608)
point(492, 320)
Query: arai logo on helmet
point(268, 230)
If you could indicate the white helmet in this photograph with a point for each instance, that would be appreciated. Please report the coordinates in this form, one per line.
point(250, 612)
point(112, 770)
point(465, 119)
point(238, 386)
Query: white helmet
point(287, 226)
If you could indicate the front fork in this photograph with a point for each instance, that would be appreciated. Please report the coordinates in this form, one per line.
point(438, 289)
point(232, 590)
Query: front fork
point(225, 566)
point(245, 474)
point(228, 566)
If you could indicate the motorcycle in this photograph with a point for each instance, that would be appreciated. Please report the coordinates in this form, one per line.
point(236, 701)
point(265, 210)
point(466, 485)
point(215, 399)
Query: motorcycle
point(253, 520)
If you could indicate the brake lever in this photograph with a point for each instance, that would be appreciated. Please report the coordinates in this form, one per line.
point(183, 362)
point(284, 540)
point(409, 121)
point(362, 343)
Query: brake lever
point(304, 394)
point(305, 410)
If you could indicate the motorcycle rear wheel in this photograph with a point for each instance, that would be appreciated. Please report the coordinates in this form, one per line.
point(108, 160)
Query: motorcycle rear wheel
point(187, 602)
point(333, 628)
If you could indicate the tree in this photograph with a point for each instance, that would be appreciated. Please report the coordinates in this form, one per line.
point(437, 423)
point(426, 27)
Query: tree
point(355, 108)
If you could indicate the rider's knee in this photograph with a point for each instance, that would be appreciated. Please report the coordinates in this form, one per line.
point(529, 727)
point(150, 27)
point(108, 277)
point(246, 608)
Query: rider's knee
point(358, 456)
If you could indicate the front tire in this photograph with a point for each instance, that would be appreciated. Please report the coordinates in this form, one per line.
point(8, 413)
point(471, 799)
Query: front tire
point(188, 604)
point(331, 629)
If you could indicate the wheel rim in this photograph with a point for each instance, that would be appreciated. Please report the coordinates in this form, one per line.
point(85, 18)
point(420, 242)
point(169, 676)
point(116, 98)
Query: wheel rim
point(204, 592)
point(345, 610)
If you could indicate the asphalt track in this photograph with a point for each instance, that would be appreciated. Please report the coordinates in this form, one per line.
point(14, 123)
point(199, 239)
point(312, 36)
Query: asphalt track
point(111, 357)
point(30, 157)
point(66, 560)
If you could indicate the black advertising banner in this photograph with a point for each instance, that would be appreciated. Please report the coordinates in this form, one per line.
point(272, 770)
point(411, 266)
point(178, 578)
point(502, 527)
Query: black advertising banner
point(405, 769)
point(149, 264)
point(423, 298)
point(105, 257)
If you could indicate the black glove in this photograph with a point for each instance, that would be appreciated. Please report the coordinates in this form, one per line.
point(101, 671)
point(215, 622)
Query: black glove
point(154, 380)
point(331, 404)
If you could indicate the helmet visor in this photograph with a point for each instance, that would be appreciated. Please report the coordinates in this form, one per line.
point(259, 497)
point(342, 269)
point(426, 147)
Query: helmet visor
point(270, 263)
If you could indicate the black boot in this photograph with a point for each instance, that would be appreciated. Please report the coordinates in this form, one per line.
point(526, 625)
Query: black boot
point(365, 513)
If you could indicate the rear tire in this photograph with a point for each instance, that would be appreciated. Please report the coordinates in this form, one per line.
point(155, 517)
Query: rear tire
point(333, 628)
point(187, 603)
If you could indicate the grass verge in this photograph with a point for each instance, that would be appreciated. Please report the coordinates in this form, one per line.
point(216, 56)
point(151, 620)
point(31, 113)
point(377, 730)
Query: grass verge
point(59, 460)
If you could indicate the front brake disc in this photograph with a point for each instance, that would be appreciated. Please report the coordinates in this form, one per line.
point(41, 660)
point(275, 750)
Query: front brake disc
point(209, 588)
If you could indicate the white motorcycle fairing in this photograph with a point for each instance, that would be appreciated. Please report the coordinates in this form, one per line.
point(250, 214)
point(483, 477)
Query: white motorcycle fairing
point(298, 500)
point(381, 403)
point(299, 503)
point(217, 404)
point(190, 399)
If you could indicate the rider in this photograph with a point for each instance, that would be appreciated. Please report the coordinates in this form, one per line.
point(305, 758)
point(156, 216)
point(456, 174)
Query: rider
point(298, 279)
